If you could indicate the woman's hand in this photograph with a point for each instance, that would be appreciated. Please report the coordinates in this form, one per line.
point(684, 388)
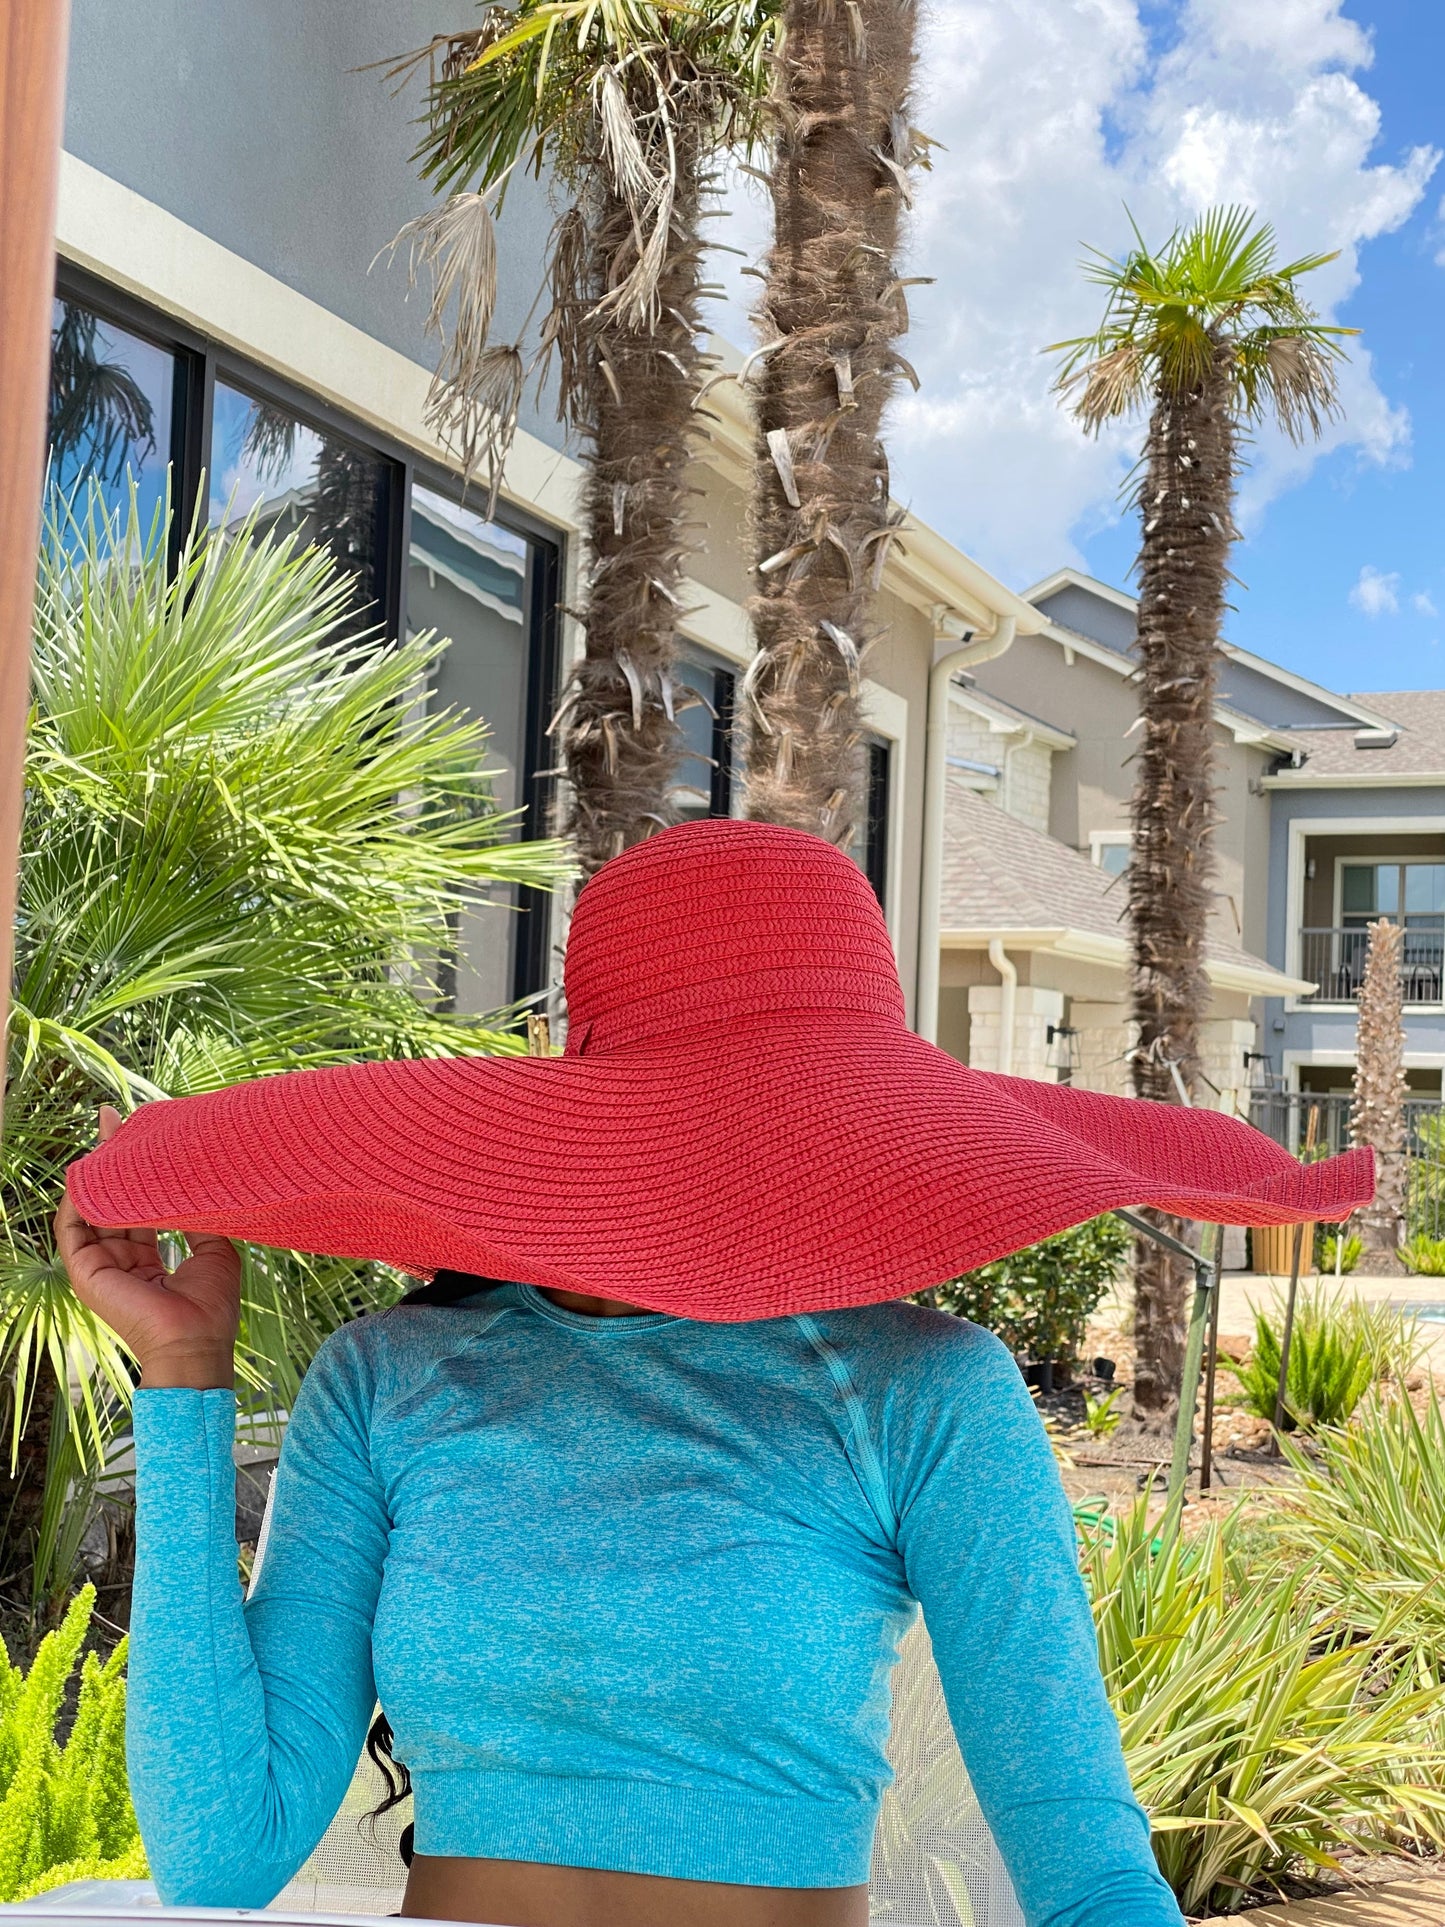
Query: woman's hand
point(180, 1324)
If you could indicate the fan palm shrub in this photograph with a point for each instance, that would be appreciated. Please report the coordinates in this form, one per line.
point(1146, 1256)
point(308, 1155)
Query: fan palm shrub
point(627, 102)
point(1261, 1731)
point(243, 845)
point(1207, 336)
point(832, 311)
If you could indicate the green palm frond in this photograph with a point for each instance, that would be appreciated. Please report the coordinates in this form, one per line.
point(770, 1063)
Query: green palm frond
point(1213, 292)
point(522, 83)
point(247, 836)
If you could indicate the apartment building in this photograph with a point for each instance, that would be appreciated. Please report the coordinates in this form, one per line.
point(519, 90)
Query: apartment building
point(1332, 812)
point(229, 177)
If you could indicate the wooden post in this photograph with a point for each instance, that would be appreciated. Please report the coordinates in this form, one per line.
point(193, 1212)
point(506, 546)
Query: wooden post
point(32, 102)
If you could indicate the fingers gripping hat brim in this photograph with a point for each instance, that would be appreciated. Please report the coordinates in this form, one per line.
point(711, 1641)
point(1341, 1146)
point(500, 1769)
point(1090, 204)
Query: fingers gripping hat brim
point(799, 1165)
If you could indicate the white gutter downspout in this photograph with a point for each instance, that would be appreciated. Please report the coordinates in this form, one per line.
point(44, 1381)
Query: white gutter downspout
point(935, 796)
point(1008, 973)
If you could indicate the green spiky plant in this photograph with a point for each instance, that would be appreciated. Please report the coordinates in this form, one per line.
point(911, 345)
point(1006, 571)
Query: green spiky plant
point(627, 102)
point(1367, 1513)
point(1339, 1347)
point(244, 841)
point(1260, 1729)
point(1207, 336)
point(65, 1809)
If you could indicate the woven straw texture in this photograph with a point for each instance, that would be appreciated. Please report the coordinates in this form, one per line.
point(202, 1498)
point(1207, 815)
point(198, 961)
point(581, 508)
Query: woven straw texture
point(741, 1126)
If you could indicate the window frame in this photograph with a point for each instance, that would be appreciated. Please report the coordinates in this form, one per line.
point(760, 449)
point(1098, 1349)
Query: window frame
point(201, 360)
point(1387, 860)
point(722, 752)
point(1101, 840)
point(880, 816)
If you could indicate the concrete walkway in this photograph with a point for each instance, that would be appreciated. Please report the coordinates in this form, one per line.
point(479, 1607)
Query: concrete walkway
point(1406, 1903)
point(1241, 1289)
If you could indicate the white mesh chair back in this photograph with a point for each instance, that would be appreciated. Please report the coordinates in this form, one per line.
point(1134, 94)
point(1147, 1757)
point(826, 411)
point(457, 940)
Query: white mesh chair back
point(935, 1863)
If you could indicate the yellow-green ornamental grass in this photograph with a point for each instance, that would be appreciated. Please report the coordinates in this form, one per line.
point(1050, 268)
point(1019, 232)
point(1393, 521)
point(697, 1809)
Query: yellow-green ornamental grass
point(65, 1810)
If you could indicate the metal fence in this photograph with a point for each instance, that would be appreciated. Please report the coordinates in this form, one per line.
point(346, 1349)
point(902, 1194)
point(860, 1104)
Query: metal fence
point(1285, 1116)
point(1334, 962)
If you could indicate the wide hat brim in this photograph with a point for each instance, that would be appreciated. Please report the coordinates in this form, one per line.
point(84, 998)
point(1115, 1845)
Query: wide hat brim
point(737, 1173)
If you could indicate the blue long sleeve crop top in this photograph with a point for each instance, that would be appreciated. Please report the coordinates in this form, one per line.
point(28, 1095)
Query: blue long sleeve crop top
point(629, 1591)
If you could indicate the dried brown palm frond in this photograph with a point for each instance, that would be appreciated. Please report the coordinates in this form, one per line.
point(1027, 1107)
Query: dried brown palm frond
point(626, 101)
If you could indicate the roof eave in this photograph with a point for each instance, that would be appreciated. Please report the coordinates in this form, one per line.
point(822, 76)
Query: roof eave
point(1098, 946)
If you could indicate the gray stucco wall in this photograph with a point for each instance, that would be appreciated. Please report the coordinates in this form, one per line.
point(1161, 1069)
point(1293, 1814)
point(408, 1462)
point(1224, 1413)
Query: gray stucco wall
point(253, 124)
point(1326, 1030)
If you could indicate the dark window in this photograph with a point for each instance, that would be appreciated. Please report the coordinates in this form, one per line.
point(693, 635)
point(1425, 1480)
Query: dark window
point(869, 849)
point(704, 785)
point(473, 582)
point(112, 410)
point(133, 392)
point(328, 490)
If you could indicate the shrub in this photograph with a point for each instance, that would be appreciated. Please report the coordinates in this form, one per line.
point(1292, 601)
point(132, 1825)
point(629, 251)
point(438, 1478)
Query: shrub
point(1368, 1515)
point(1348, 1258)
point(1039, 1300)
point(1338, 1349)
point(1425, 1255)
point(65, 1811)
point(246, 838)
point(1258, 1729)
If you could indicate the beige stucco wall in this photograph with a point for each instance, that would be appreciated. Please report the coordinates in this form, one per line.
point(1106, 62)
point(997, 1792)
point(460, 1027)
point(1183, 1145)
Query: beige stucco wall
point(898, 661)
point(1091, 785)
point(723, 560)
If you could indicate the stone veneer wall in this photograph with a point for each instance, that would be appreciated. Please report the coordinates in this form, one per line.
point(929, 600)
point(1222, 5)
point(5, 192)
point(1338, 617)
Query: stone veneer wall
point(1023, 789)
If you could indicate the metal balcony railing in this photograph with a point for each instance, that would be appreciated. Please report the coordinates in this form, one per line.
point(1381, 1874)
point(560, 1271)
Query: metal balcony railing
point(1334, 961)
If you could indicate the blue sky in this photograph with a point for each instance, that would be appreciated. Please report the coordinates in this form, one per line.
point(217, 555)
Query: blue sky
point(1306, 551)
point(1052, 115)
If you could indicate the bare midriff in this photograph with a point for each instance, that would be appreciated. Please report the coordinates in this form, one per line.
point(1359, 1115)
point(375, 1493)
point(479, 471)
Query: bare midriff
point(519, 1893)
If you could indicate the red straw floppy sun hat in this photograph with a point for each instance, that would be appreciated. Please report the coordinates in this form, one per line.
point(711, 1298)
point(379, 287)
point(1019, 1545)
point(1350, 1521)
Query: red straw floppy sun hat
point(742, 1124)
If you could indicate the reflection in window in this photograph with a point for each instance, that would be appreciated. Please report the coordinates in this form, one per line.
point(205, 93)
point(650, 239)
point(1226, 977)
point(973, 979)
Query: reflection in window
point(704, 709)
point(1408, 893)
point(467, 580)
point(869, 848)
point(111, 400)
point(1112, 857)
point(328, 490)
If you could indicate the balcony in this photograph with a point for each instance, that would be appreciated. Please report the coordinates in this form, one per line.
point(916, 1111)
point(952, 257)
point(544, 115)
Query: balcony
point(1334, 961)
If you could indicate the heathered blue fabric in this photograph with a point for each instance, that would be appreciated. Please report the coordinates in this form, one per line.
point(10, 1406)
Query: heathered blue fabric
point(630, 1591)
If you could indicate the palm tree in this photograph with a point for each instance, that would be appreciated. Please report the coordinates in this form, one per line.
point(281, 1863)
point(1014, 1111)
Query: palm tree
point(627, 101)
point(1377, 1116)
point(242, 842)
point(100, 417)
point(1210, 336)
point(832, 310)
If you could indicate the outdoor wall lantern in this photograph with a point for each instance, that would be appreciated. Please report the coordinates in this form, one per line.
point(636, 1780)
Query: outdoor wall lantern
point(1062, 1054)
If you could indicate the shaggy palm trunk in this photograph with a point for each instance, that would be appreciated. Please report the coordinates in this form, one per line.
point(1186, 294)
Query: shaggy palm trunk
point(1185, 503)
point(620, 741)
point(1377, 1117)
point(834, 306)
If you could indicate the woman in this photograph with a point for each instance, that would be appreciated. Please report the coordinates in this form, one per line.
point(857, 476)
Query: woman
point(625, 1546)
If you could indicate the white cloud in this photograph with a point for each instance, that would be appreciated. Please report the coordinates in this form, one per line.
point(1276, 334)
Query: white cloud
point(1376, 594)
point(1053, 114)
point(1423, 605)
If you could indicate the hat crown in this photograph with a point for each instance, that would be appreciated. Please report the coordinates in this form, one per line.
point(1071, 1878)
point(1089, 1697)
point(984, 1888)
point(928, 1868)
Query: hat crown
point(719, 920)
